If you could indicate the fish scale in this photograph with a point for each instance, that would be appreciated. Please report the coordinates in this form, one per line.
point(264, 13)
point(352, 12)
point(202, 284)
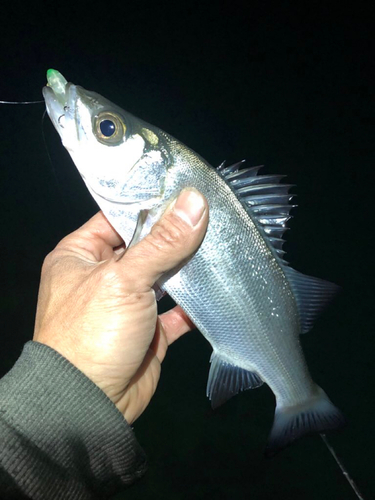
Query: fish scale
point(234, 243)
point(237, 288)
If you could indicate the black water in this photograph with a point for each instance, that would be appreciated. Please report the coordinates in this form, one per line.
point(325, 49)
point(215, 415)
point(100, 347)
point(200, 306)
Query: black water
point(291, 88)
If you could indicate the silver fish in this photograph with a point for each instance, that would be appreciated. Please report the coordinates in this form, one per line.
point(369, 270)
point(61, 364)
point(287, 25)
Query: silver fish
point(237, 289)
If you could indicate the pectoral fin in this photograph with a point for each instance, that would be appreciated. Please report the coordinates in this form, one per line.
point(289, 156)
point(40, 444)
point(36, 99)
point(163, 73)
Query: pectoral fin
point(159, 292)
point(141, 221)
point(143, 226)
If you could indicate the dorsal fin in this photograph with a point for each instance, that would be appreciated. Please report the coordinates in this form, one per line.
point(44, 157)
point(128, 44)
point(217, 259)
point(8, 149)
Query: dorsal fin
point(223, 170)
point(267, 202)
point(264, 198)
point(311, 295)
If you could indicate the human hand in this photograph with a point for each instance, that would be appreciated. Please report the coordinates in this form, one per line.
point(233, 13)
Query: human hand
point(97, 308)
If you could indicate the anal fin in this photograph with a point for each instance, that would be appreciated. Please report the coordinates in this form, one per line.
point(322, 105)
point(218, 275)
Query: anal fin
point(226, 380)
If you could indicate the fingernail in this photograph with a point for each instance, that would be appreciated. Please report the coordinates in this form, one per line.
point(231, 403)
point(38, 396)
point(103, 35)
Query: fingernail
point(190, 206)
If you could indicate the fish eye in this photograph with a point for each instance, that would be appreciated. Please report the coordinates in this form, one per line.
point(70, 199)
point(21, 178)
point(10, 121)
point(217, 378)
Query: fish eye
point(109, 128)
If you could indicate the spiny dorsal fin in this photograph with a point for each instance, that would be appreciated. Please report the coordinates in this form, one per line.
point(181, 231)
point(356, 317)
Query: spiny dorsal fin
point(267, 202)
point(264, 198)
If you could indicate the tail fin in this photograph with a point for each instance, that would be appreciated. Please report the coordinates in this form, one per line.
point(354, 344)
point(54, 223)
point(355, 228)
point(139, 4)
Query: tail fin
point(317, 414)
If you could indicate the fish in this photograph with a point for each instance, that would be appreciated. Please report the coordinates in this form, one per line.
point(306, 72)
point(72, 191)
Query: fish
point(238, 289)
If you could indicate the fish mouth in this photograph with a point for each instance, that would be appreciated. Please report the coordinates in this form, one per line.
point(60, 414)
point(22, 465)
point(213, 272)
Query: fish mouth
point(60, 98)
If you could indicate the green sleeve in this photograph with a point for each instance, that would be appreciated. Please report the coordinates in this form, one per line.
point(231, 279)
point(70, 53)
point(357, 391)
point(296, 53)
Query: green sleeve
point(61, 436)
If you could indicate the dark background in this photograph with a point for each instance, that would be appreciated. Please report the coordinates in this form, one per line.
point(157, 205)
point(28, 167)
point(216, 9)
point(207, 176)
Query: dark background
point(289, 87)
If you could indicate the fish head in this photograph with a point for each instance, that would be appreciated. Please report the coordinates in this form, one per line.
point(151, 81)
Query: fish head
point(122, 159)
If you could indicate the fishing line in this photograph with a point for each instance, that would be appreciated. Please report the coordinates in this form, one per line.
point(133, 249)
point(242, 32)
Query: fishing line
point(21, 102)
point(67, 208)
point(343, 468)
point(45, 147)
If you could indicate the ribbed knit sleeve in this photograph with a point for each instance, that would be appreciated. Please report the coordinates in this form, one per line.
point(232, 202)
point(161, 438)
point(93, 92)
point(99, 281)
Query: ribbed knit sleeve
point(60, 436)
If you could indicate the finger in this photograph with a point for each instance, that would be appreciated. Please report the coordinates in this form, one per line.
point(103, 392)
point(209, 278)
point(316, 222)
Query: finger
point(94, 240)
point(171, 242)
point(175, 323)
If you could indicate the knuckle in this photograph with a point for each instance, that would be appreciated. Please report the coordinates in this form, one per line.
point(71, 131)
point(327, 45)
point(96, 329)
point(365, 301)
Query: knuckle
point(170, 232)
point(107, 276)
point(49, 261)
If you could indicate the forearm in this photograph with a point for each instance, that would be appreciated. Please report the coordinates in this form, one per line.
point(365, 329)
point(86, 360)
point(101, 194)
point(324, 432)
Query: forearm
point(61, 437)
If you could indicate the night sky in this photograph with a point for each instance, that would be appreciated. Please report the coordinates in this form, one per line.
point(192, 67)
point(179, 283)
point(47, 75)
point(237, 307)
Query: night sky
point(288, 87)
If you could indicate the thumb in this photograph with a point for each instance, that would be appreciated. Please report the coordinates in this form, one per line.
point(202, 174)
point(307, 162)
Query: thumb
point(174, 238)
